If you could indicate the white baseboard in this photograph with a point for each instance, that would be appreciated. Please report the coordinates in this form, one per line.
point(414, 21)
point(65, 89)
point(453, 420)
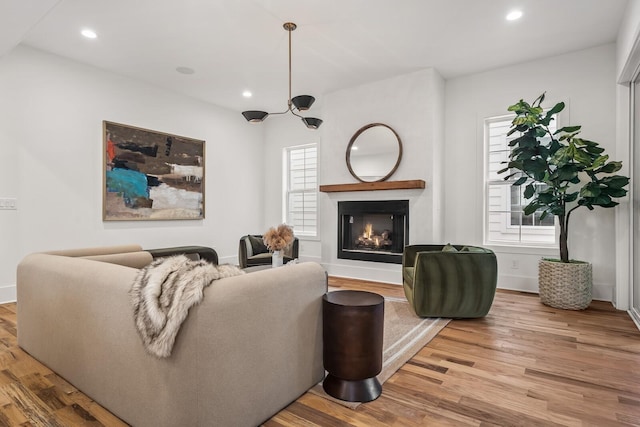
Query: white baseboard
point(365, 273)
point(635, 316)
point(518, 283)
point(304, 258)
point(233, 260)
point(7, 294)
point(600, 292)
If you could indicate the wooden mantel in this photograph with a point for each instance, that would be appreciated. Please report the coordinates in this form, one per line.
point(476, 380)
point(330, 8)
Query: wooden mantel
point(374, 186)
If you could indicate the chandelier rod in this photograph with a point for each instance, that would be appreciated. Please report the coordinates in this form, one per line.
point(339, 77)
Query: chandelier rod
point(290, 27)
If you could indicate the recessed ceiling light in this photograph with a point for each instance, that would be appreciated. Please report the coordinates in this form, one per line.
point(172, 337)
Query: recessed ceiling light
point(185, 70)
point(88, 33)
point(513, 15)
point(247, 94)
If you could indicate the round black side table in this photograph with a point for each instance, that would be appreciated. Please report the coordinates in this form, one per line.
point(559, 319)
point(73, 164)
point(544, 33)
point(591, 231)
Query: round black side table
point(353, 325)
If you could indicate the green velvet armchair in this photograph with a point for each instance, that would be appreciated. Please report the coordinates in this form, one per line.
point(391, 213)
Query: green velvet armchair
point(449, 280)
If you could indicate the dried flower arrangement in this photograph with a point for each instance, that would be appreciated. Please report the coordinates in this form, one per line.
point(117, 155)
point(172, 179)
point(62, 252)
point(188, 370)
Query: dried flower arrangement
point(278, 238)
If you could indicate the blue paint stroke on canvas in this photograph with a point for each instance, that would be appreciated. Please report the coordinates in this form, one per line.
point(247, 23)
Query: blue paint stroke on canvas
point(130, 184)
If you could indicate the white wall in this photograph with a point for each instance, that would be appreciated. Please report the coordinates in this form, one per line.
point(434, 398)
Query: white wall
point(413, 106)
point(585, 80)
point(51, 113)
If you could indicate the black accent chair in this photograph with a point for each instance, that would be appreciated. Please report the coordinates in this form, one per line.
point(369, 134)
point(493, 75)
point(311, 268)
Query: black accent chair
point(252, 251)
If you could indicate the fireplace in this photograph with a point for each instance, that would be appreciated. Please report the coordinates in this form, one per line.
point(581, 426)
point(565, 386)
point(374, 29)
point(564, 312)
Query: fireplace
point(373, 230)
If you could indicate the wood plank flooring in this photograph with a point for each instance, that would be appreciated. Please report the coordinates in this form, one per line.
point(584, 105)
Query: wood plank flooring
point(525, 364)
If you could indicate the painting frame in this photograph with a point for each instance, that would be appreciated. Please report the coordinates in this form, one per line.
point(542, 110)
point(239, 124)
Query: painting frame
point(150, 175)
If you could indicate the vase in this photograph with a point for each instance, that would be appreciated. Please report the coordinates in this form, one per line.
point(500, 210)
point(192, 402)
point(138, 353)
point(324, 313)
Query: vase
point(276, 259)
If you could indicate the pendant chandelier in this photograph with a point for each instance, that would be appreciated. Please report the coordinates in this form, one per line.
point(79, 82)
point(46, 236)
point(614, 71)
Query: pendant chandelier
point(298, 103)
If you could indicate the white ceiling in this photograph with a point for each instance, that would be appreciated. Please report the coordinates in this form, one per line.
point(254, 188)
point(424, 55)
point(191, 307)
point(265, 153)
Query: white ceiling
point(235, 45)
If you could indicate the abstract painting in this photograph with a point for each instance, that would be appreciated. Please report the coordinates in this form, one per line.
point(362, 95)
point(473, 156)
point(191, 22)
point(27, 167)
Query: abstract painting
point(151, 175)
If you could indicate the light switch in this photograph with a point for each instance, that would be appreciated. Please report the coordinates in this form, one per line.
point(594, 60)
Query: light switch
point(8, 203)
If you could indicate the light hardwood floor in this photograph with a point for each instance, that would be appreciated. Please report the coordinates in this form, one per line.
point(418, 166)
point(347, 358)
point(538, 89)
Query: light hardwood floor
point(524, 364)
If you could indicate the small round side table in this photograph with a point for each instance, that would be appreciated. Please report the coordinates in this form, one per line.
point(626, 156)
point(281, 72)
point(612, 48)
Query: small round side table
point(353, 325)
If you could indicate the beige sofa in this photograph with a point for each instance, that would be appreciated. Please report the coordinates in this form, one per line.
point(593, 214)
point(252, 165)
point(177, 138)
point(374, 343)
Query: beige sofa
point(250, 348)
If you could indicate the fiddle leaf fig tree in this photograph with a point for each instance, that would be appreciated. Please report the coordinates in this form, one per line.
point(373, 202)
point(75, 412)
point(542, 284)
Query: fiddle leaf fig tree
point(561, 172)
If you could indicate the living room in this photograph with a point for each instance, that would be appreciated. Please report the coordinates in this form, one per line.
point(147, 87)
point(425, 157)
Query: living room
point(57, 117)
point(52, 109)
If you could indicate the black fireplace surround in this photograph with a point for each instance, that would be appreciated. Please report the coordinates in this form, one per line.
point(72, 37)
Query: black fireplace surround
point(373, 230)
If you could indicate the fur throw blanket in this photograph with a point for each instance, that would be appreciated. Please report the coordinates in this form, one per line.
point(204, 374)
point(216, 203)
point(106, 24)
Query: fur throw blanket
point(162, 294)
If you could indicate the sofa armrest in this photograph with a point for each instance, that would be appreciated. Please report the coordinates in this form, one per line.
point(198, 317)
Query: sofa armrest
point(410, 253)
point(244, 251)
point(292, 250)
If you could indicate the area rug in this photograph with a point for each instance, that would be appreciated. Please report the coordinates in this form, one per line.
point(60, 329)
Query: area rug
point(404, 335)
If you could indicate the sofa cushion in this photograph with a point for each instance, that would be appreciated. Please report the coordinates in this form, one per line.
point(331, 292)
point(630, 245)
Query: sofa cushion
point(259, 259)
point(473, 249)
point(257, 245)
point(449, 248)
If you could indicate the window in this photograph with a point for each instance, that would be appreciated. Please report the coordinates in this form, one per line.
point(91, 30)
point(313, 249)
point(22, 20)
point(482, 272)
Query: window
point(301, 189)
point(518, 203)
point(504, 204)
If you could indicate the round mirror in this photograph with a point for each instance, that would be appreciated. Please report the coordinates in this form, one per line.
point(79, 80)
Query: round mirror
point(374, 153)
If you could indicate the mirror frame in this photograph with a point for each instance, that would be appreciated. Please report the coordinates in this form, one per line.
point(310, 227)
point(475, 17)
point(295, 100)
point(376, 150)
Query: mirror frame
point(355, 137)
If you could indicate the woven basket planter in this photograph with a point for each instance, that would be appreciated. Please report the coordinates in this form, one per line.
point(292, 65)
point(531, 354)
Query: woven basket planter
point(565, 285)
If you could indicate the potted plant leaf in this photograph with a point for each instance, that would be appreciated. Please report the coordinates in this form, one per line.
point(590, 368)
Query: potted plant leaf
point(561, 172)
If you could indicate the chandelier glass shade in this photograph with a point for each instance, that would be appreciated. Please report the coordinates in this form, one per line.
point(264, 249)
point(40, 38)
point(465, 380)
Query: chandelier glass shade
point(298, 103)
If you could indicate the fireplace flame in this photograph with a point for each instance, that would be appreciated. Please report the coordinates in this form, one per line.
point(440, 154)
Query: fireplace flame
point(369, 240)
point(368, 231)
